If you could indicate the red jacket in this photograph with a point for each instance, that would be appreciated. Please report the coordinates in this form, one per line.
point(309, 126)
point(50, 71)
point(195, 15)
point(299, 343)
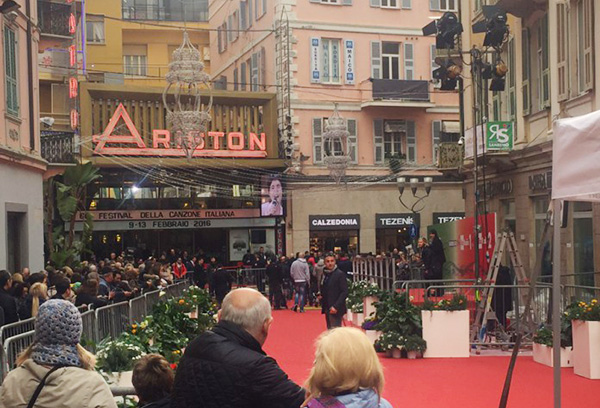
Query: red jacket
point(179, 271)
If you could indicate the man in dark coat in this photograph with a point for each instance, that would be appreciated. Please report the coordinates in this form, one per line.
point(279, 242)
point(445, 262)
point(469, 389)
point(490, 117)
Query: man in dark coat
point(438, 258)
point(7, 302)
point(226, 367)
point(334, 292)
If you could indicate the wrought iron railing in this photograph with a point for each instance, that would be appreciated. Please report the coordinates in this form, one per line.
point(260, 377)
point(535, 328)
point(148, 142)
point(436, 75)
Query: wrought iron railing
point(54, 18)
point(193, 12)
point(58, 146)
point(450, 155)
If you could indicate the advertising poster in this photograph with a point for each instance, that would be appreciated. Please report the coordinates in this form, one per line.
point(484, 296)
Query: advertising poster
point(239, 243)
point(459, 245)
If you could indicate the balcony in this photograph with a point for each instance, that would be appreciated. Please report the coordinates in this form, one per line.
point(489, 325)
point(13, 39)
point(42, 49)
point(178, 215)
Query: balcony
point(450, 156)
point(54, 18)
point(399, 92)
point(193, 12)
point(58, 146)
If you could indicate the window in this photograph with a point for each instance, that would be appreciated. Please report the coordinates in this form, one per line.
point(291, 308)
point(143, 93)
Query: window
point(543, 64)
point(234, 26)
point(448, 5)
point(230, 32)
point(320, 149)
point(583, 243)
point(243, 15)
point(330, 1)
point(394, 138)
point(134, 65)
point(436, 134)
point(254, 70)
point(562, 29)
point(390, 59)
point(389, 3)
point(94, 29)
point(525, 70)
point(11, 69)
point(221, 37)
point(330, 58)
point(511, 81)
point(243, 76)
point(509, 214)
point(585, 45)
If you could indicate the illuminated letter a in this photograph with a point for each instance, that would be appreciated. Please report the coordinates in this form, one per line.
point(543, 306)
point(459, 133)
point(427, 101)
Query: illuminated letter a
point(106, 136)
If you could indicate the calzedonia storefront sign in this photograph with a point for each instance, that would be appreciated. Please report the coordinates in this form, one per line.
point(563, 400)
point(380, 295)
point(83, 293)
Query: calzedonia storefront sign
point(395, 221)
point(334, 222)
point(211, 144)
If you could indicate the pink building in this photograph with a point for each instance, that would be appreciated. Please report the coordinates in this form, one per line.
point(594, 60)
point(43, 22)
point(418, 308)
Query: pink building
point(21, 166)
point(370, 58)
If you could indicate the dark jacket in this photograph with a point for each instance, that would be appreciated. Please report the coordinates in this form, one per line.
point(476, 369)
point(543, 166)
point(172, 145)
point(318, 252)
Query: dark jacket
point(334, 291)
point(274, 274)
point(163, 403)
point(87, 299)
point(9, 305)
point(226, 368)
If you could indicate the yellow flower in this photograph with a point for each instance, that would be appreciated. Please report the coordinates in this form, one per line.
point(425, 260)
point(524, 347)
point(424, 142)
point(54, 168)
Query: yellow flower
point(134, 331)
point(134, 326)
point(594, 301)
point(181, 301)
point(589, 309)
point(177, 352)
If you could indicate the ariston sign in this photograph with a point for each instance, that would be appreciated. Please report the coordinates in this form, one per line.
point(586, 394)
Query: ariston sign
point(212, 144)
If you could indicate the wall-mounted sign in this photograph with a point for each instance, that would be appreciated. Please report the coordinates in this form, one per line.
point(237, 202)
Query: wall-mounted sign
point(349, 62)
point(315, 60)
point(495, 188)
point(212, 144)
point(145, 215)
point(395, 221)
point(334, 222)
point(541, 181)
point(441, 218)
point(499, 135)
point(179, 224)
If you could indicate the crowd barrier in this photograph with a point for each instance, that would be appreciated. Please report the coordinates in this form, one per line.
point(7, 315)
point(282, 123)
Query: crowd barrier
point(381, 270)
point(253, 277)
point(108, 321)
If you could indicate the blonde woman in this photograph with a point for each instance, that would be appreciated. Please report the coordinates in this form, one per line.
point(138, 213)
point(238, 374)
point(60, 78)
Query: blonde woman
point(38, 294)
point(346, 372)
point(56, 365)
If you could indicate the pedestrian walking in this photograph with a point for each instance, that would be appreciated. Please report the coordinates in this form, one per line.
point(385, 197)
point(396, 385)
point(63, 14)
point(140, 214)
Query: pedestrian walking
point(300, 274)
point(334, 292)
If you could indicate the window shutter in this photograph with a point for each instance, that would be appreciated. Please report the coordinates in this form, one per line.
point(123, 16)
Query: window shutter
point(562, 45)
point(406, 4)
point(353, 140)
point(411, 142)
point(526, 60)
point(250, 13)
point(243, 15)
point(436, 132)
point(375, 3)
point(235, 80)
point(347, 2)
point(315, 60)
point(378, 140)
point(317, 129)
point(254, 72)
point(376, 59)
point(263, 67)
point(243, 76)
point(256, 9)
point(434, 4)
point(409, 61)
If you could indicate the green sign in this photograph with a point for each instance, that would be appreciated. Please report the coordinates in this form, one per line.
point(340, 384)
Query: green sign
point(499, 136)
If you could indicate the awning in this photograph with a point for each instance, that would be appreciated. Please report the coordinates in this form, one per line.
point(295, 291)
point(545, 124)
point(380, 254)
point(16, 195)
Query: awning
point(450, 126)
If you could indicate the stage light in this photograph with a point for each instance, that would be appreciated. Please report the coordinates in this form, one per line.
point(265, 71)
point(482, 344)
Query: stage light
point(494, 26)
point(499, 72)
point(446, 29)
point(448, 74)
point(8, 6)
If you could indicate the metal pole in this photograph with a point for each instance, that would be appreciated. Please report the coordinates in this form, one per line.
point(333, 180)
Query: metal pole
point(556, 299)
point(475, 58)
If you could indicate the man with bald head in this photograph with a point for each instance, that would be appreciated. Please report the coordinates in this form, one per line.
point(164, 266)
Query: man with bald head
point(226, 367)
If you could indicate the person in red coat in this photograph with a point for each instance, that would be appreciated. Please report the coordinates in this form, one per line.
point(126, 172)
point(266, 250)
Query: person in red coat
point(179, 269)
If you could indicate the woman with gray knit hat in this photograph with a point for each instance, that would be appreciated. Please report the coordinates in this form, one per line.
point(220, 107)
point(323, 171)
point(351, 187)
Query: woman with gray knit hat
point(56, 371)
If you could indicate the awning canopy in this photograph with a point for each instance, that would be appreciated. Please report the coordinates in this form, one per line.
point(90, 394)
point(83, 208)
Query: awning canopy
point(449, 126)
point(576, 158)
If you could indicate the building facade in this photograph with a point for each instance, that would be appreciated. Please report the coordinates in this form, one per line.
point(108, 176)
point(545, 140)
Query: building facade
point(372, 60)
point(21, 165)
point(553, 68)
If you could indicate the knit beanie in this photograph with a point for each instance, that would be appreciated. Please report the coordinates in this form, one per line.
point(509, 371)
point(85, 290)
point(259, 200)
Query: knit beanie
point(58, 329)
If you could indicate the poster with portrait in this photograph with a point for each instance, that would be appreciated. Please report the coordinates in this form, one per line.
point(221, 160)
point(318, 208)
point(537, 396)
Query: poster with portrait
point(272, 197)
point(239, 244)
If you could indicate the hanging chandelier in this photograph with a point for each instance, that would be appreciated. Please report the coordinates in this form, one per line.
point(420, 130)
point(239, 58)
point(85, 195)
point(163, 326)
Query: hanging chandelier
point(336, 147)
point(188, 119)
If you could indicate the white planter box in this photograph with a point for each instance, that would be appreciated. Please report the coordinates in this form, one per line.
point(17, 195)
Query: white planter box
point(349, 316)
point(586, 349)
point(368, 308)
point(121, 379)
point(446, 333)
point(373, 335)
point(544, 355)
point(358, 319)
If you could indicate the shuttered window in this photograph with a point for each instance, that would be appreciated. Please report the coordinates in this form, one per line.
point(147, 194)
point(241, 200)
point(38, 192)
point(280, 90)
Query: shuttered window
point(562, 29)
point(378, 141)
point(436, 132)
point(411, 142)
point(330, 60)
point(263, 67)
point(254, 72)
point(409, 61)
point(376, 59)
point(317, 130)
point(525, 71)
point(235, 79)
point(585, 42)
point(543, 64)
point(11, 70)
point(353, 139)
point(243, 76)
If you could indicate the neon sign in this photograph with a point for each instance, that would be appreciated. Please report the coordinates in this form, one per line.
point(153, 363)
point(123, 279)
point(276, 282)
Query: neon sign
point(212, 144)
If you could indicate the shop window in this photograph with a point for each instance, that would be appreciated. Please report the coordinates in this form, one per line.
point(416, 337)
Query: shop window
point(583, 244)
point(509, 215)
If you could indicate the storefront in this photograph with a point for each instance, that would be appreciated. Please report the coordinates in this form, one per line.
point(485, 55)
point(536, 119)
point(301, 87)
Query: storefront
point(442, 218)
point(334, 233)
point(396, 231)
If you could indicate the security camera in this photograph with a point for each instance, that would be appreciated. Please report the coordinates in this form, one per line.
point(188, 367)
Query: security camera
point(11, 16)
point(460, 141)
point(47, 121)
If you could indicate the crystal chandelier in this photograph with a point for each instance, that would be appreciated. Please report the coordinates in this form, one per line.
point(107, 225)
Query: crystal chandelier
point(336, 147)
point(187, 120)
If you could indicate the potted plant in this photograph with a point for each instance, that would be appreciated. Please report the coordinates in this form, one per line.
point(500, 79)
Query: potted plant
point(585, 317)
point(115, 360)
point(391, 343)
point(370, 328)
point(542, 346)
point(370, 294)
point(415, 346)
point(446, 327)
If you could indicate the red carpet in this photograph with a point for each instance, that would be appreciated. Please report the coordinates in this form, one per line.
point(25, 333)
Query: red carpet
point(448, 383)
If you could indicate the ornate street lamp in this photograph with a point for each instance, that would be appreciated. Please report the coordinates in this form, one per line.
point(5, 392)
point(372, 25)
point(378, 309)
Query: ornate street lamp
point(418, 205)
point(188, 119)
point(336, 147)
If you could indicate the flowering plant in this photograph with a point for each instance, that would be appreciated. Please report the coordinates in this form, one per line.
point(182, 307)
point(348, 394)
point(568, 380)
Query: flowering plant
point(370, 324)
point(457, 302)
point(415, 343)
point(544, 335)
point(390, 341)
point(584, 311)
point(357, 291)
point(117, 355)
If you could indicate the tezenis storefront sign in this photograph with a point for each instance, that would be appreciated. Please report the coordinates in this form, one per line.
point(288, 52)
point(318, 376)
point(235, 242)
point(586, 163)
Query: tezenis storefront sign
point(334, 222)
point(211, 144)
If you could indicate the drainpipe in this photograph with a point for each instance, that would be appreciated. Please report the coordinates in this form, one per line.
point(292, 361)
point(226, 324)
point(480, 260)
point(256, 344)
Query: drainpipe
point(30, 75)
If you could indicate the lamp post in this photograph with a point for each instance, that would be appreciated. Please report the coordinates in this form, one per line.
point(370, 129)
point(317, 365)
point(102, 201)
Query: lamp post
point(413, 183)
